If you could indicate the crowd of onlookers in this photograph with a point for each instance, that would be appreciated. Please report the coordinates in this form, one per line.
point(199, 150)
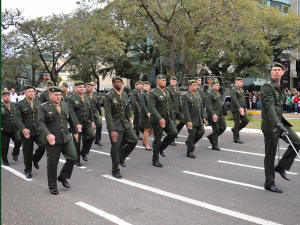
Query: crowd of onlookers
point(291, 101)
point(15, 97)
point(253, 99)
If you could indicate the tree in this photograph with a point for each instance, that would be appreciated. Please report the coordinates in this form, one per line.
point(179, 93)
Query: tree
point(10, 17)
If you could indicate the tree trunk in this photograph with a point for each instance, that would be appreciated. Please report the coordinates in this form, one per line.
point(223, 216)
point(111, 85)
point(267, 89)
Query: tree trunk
point(33, 75)
point(172, 57)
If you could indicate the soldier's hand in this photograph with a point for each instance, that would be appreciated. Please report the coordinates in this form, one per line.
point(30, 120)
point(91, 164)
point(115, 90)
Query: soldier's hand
point(93, 124)
point(1, 128)
point(114, 136)
point(76, 137)
point(282, 130)
point(204, 120)
point(215, 118)
point(242, 111)
point(26, 133)
point(162, 123)
point(51, 139)
point(79, 128)
point(101, 118)
point(189, 125)
point(130, 120)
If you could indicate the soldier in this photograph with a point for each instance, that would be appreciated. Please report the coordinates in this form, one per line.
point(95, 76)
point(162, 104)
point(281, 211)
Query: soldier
point(117, 118)
point(65, 93)
point(203, 71)
point(208, 85)
point(53, 122)
point(136, 107)
point(9, 130)
point(194, 115)
point(213, 102)
point(26, 119)
point(238, 109)
point(45, 95)
point(275, 126)
point(160, 119)
point(176, 105)
point(80, 107)
point(200, 91)
point(97, 112)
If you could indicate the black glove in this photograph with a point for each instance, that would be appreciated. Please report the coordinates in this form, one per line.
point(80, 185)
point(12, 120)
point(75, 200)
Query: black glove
point(282, 130)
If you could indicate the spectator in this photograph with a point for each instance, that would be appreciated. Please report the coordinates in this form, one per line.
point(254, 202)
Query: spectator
point(299, 105)
point(13, 95)
point(295, 102)
point(247, 97)
point(258, 100)
point(288, 102)
point(254, 100)
point(21, 96)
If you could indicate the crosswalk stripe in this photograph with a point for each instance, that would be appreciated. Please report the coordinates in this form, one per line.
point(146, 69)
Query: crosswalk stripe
point(17, 173)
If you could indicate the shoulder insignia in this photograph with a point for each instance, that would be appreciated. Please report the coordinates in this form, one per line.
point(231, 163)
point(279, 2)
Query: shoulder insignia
point(44, 103)
point(269, 82)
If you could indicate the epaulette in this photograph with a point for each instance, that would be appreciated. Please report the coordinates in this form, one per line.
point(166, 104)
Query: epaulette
point(269, 82)
point(45, 103)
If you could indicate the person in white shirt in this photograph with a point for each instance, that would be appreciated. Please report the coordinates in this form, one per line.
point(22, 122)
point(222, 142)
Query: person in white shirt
point(13, 95)
point(21, 96)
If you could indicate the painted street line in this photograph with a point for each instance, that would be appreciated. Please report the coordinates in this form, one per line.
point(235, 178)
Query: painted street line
point(194, 202)
point(63, 161)
point(254, 167)
point(187, 136)
point(101, 213)
point(17, 173)
point(103, 153)
point(224, 180)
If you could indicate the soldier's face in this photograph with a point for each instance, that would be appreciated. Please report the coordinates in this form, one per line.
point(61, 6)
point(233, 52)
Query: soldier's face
point(199, 82)
point(79, 89)
point(6, 98)
point(29, 93)
point(48, 86)
point(239, 83)
point(215, 87)
point(55, 97)
point(146, 87)
point(161, 82)
point(89, 88)
point(173, 83)
point(64, 88)
point(117, 85)
point(140, 86)
point(277, 73)
point(193, 87)
point(203, 67)
point(209, 81)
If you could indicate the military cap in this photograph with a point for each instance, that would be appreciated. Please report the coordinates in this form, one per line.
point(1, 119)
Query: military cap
point(55, 89)
point(26, 87)
point(117, 78)
point(276, 64)
point(202, 64)
point(197, 78)
point(147, 82)
point(50, 82)
point(65, 84)
point(208, 78)
point(140, 82)
point(173, 78)
point(238, 78)
point(161, 76)
point(192, 81)
point(5, 93)
point(90, 84)
point(78, 83)
point(215, 82)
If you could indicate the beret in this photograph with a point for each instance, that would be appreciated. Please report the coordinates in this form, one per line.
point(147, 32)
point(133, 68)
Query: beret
point(192, 81)
point(78, 83)
point(5, 93)
point(117, 78)
point(55, 89)
point(90, 84)
point(276, 64)
point(147, 82)
point(161, 76)
point(238, 78)
point(208, 78)
point(215, 82)
point(50, 82)
point(65, 84)
point(140, 82)
point(26, 87)
point(173, 78)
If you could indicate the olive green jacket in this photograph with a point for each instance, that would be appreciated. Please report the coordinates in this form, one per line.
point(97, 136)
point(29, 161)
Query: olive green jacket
point(175, 99)
point(202, 96)
point(193, 109)
point(204, 72)
point(271, 106)
point(26, 118)
point(44, 96)
point(51, 122)
point(82, 112)
point(117, 111)
point(213, 103)
point(160, 106)
point(135, 100)
point(7, 118)
point(64, 97)
point(237, 99)
point(96, 105)
point(143, 99)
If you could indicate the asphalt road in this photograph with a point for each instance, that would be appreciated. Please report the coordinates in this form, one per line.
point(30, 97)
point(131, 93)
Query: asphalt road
point(224, 187)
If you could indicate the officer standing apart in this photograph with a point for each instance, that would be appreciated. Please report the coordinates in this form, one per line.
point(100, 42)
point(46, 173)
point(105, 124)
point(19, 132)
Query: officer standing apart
point(213, 102)
point(176, 105)
point(9, 130)
point(274, 126)
point(136, 107)
point(160, 119)
point(97, 112)
point(45, 95)
point(81, 110)
point(65, 93)
point(53, 122)
point(26, 119)
point(203, 71)
point(117, 118)
point(194, 115)
point(238, 109)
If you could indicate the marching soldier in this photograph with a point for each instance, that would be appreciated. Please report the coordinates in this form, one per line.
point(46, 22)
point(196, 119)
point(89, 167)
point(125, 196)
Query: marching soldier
point(176, 105)
point(160, 119)
point(200, 91)
point(213, 102)
point(203, 71)
point(80, 107)
point(117, 118)
point(9, 130)
point(97, 112)
point(65, 93)
point(136, 107)
point(238, 109)
point(45, 95)
point(275, 126)
point(194, 115)
point(53, 122)
point(208, 85)
point(26, 119)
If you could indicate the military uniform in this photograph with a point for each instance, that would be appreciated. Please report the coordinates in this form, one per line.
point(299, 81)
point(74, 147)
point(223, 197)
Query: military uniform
point(203, 72)
point(53, 119)
point(160, 108)
point(136, 109)
point(65, 96)
point(271, 112)
point(117, 119)
point(44, 97)
point(238, 101)
point(83, 114)
point(27, 118)
point(10, 131)
point(144, 105)
point(213, 103)
point(194, 112)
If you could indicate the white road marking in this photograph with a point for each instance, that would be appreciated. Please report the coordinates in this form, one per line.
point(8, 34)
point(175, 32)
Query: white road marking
point(17, 173)
point(103, 153)
point(63, 161)
point(194, 202)
point(254, 167)
point(99, 212)
point(187, 136)
point(224, 180)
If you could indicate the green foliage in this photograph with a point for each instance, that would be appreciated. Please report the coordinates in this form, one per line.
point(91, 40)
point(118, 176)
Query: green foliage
point(230, 116)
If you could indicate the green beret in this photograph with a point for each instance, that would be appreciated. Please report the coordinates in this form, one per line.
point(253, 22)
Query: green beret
point(136, 83)
point(50, 82)
point(208, 78)
point(202, 64)
point(26, 87)
point(215, 82)
point(238, 78)
point(173, 78)
point(78, 83)
point(65, 84)
point(5, 93)
point(197, 78)
point(90, 84)
point(160, 76)
point(276, 64)
point(140, 82)
point(55, 89)
point(117, 78)
point(147, 82)
point(192, 81)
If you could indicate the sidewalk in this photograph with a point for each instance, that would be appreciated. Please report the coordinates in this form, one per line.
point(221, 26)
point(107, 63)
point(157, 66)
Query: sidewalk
point(257, 112)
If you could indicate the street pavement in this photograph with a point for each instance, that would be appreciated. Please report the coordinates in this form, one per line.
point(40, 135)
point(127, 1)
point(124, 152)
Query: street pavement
point(218, 187)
